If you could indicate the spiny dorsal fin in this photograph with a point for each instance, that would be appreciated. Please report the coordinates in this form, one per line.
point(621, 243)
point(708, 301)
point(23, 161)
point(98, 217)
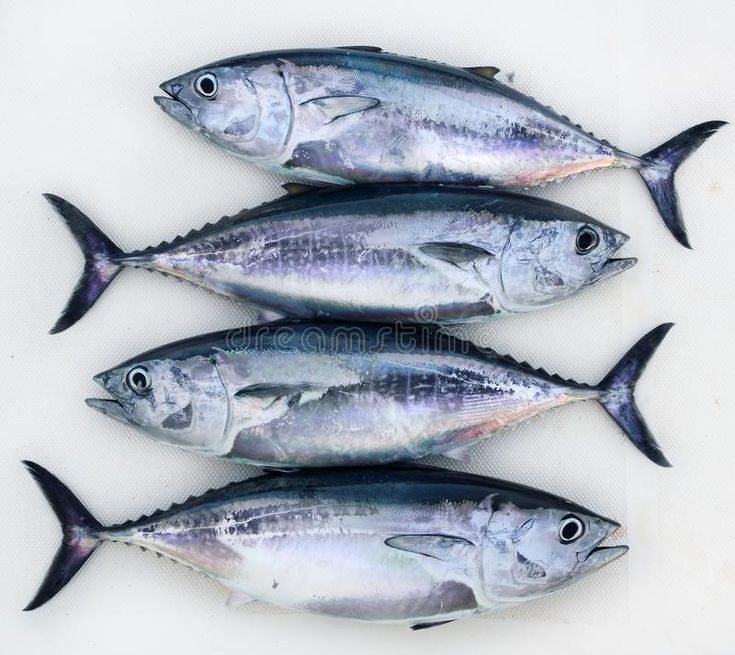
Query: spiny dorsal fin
point(488, 72)
point(363, 48)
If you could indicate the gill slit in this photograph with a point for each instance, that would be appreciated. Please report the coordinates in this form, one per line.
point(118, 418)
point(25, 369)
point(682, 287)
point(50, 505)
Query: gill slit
point(501, 281)
point(227, 441)
point(292, 106)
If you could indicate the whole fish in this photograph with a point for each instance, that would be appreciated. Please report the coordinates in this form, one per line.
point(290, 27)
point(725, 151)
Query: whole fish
point(329, 394)
point(419, 546)
point(357, 114)
point(388, 253)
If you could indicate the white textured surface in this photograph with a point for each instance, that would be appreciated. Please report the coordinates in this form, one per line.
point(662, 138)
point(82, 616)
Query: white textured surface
point(78, 120)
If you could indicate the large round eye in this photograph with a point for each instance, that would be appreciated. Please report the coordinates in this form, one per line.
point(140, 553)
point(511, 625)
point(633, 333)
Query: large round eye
point(206, 85)
point(139, 379)
point(570, 529)
point(587, 240)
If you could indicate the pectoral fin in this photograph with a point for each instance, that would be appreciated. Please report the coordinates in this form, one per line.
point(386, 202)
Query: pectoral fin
point(330, 108)
point(438, 546)
point(455, 253)
point(267, 390)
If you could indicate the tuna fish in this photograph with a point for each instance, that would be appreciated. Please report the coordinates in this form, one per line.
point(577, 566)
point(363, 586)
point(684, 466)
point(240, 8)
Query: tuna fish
point(390, 253)
point(356, 114)
point(328, 394)
point(417, 546)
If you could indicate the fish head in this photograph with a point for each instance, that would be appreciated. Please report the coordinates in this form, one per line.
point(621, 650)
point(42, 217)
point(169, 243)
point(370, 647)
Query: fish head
point(179, 401)
point(531, 551)
point(547, 261)
point(240, 107)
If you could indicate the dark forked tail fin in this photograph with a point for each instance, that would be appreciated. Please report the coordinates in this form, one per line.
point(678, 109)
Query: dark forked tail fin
point(99, 269)
point(659, 166)
point(79, 534)
point(617, 391)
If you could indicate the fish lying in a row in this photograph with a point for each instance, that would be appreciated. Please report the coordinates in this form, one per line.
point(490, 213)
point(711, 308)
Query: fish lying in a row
point(400, 543)
point(329, 394)
point(379, 253)
point(306, 113)
point(410, 545)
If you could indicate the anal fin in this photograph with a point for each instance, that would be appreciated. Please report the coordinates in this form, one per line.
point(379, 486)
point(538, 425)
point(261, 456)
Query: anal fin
point(460, 454)
point(432, 624)
point(238, 598)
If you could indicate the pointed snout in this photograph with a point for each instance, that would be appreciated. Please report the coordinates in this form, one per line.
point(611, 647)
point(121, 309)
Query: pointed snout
point(171, 87)
point(612, 265)
point(173, 105)
point(598, 555)
point(619, 240)
point(103, 378)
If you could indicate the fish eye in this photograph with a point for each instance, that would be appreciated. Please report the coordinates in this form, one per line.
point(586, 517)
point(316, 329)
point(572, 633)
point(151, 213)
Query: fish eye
point(587, 240)
point(139, 380)
point(206, 85)
point(571, 528)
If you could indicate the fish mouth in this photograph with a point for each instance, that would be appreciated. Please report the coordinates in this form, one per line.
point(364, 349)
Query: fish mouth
point(174, 107)
point(614, 265)
point(597, 555)
point(116, 409)
point(112, 408)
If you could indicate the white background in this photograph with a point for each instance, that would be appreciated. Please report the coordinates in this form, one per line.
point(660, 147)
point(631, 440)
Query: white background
point(77, 119)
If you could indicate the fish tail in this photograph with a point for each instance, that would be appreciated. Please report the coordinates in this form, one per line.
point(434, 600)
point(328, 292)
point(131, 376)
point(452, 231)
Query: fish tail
point(80, 534)
point(658, 167)
point(618, 388)
point(100, 267)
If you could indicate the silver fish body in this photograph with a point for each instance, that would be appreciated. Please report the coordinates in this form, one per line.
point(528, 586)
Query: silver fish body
point(361, 115)
point(401, 545)
point(330, 394)
point(381, 253)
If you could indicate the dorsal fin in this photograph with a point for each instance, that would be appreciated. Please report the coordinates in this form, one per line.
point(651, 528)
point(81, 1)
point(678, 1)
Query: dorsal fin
point(363, 48)
point(295, 188)
point(488, 72)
